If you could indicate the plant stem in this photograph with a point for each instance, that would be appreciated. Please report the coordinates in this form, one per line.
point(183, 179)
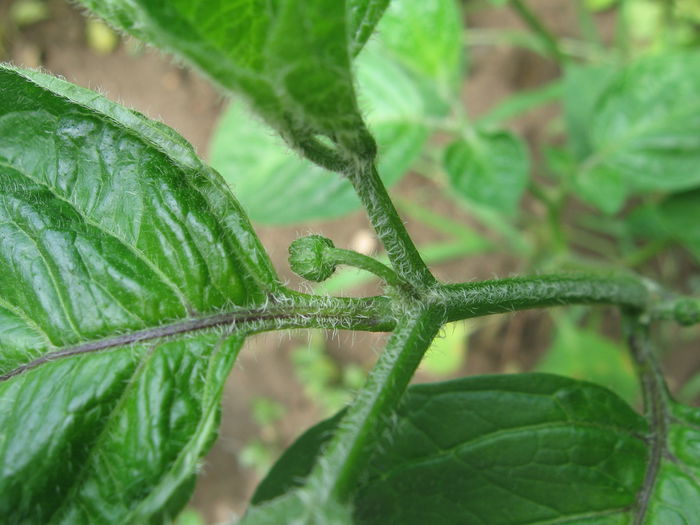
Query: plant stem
point(463, 301)
point(378, 314)
point(572, 48)
point(363, 262)
point(335, 475)
point(390, 229)
point(535, 24)
point(656, 401)
point(294, 310)
point(432, 254)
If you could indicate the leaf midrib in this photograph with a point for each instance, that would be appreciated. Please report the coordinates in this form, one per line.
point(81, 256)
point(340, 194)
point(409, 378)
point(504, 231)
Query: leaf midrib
point(245, 320)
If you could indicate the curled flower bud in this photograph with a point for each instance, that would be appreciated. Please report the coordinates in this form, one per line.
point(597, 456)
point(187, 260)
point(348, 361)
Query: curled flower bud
point(308, 258)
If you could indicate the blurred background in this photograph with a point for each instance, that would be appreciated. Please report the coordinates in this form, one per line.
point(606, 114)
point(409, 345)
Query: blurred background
point(508, 95)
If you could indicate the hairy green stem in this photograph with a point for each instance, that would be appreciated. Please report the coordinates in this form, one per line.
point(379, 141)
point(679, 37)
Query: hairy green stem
point(293, 310)
point(363, 262)
point(535, 24)
point(348, 453)
point(467, 300)
point(379, 314)
point(390, 229)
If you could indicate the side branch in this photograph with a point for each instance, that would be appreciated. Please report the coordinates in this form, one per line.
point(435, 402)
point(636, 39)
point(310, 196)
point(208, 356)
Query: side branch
point(466, 300)
point(400, 250)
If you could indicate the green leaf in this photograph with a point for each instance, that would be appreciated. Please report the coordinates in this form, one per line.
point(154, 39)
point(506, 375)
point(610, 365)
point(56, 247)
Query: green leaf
point(584, 354)
point(281, 188)
point(364, 16)
point(674, 492)
point(290, 58)
point(680, 216)
point(511, 449)
point(529, 448)
point(583, 86)
point(603, 187)
point(489, 168)
point(644, 129)
point(296, 462)
point(113, 234)
point(426, 37)
point(112, 437)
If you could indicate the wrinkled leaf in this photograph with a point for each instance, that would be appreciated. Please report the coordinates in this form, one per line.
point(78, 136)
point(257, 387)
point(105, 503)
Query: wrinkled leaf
point(490, 169)
point(111, 231)
point(278, 187)
point(644, 130)
point(290, 58)
point(528, 448)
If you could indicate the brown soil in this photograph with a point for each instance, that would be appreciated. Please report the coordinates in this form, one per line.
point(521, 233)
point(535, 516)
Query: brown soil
point(151, 83)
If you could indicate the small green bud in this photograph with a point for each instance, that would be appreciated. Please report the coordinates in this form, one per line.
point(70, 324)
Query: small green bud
point(687, 312)
point(308, 258)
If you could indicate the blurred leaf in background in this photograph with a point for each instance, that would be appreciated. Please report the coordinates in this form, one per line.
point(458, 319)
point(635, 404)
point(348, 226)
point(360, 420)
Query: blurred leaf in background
point(582, 353)
point(324, 380)
point(190, 516)
point(447, 354)
point(489, 168)
point(636, 130)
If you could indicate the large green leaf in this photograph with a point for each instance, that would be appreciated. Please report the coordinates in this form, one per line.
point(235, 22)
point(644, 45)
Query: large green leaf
point(112, 235)
point(529, 448)
point(644, 131)
point(290, 58)
point(279, 187)
point(490, 168)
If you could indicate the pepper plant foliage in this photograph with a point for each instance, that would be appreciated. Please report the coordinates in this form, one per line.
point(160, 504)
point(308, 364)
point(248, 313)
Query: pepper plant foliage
point(131, 277)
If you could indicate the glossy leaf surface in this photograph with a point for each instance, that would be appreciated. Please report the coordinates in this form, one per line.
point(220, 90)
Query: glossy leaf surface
point(529, 448)
point(111, 231)
point(278, 187)
point(290, 58)
point(489, 169)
